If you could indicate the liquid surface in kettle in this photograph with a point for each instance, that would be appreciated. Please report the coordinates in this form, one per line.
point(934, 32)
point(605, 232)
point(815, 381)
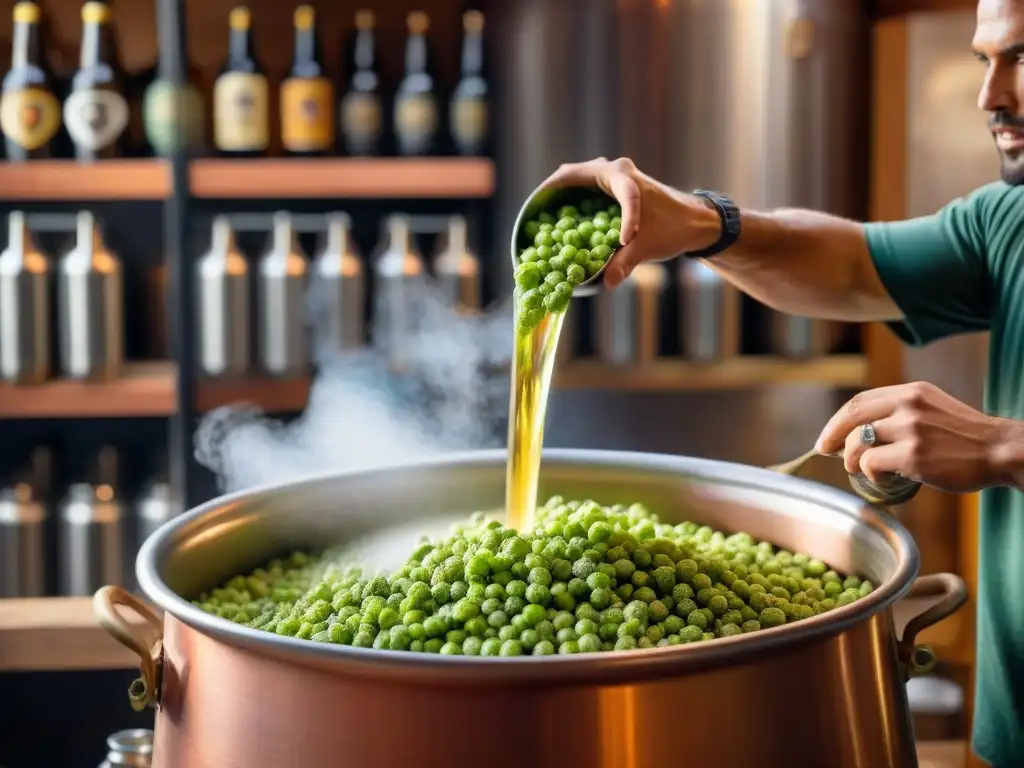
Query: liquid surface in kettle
point(533, 362)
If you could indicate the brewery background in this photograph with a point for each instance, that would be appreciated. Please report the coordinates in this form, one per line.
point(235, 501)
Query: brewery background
point(820, 103)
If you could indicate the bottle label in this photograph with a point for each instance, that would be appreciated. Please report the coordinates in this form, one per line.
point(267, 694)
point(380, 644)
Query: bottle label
point(95, 118)
point(307, 114)
point(415, 122)
point(469, 122)
point(30, 117)
point(361, 120)
point(174, 116)
point(241, 112)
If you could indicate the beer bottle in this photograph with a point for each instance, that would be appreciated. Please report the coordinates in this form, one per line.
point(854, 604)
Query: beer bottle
point(307, 95)
point(29, 111)
point(241, 102)
point(416, 102)
point(362, 109)
point(468, 111)
point(96, 111)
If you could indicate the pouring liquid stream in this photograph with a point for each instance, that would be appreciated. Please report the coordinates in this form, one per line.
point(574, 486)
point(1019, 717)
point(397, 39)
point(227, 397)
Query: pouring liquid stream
point(533, 363)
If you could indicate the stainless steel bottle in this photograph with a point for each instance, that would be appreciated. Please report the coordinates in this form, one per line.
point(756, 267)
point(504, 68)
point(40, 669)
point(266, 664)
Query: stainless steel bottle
point(457, 269)
point(23, 531)
point(154, 507)
point(26, 277)
point(629, 318)
point(222, 305)
point(338, 290)
point(399, 285)
point(802, 337)
point(283, 279)
point(709, 309)
point(91, 532)
point(129, 748)
point(91, 306)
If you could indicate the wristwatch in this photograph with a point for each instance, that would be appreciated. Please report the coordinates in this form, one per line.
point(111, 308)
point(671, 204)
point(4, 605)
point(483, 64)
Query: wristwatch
point(730, 216)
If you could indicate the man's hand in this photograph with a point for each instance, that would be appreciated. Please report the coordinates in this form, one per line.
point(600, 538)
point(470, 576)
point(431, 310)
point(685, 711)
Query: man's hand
point(658, 222)
point(926, 435)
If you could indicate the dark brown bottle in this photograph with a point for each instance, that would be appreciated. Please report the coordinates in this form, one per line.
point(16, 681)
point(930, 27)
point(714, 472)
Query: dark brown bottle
point(361, 115)
point(468, 116)
point(241, 98)
point(29, 110)
point(96, 112)
point(307, 95)
point(416, 102)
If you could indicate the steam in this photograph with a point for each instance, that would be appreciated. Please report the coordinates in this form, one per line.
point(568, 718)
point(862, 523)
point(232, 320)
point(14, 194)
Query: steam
point(451, 394)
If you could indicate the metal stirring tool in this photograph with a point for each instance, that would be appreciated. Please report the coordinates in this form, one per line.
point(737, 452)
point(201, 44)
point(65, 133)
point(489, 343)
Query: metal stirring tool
point(893, 488)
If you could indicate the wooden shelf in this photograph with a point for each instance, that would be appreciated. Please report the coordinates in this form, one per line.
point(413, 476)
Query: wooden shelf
point(69, 180)
point(149, 389)
point(57, 633)
point(343, 177)
point(740, 373)
point(145, 389)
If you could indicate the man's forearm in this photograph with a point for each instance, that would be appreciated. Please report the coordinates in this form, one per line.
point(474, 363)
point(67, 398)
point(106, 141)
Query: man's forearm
point(806, 263)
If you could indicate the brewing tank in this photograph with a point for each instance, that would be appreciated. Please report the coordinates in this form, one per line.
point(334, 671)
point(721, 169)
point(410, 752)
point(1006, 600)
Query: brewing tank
point(763, 100)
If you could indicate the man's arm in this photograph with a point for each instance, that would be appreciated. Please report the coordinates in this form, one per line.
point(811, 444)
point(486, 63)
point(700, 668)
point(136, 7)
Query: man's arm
point(806, 263)
point(929, 273)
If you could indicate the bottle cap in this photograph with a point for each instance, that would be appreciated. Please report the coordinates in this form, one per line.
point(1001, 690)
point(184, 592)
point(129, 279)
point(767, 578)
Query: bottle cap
point(95, 13)
point(365, 19)
point(418, 22)
point(26, 13)
point(304, 17)
point(239, 18)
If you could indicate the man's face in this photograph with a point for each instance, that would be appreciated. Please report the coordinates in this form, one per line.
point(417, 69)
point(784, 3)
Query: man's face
point(999, 45)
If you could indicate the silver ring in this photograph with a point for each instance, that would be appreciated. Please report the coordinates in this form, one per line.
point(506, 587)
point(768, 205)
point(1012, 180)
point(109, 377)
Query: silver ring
point(867, 435)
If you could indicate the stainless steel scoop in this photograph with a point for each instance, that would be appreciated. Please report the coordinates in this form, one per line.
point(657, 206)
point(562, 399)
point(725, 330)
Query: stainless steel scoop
point(893, 489)
point(544, 198)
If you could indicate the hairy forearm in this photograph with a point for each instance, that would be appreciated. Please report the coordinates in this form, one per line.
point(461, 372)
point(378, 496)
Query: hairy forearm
point(806, 263)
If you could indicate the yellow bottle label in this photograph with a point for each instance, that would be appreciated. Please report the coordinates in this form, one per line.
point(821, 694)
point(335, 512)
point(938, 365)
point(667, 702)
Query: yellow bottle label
point(241, 112)
point(469, 122)
point(415, 122)
point(307, 114)
point(361, 120)
point(29, 117)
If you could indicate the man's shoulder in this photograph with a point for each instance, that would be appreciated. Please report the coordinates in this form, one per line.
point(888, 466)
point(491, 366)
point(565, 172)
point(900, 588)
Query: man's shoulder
point(994, 198)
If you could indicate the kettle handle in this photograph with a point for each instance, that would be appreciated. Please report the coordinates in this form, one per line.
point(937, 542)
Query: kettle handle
point(931, 599)
point(146, 642)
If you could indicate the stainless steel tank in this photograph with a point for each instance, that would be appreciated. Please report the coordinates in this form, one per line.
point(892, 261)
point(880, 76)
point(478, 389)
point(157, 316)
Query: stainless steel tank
point(398, 281)
point(26, 279)
point(629, 318)
point(91, 537)
point(282, 283)
point(91, 306)
point(222, 305)
point(338, 290)
point(456, 268)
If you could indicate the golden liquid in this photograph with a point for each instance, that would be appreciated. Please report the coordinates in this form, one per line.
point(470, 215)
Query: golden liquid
point(532, 365)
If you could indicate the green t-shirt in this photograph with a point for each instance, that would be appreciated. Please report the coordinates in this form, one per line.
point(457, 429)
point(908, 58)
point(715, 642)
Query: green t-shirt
point(958, 271)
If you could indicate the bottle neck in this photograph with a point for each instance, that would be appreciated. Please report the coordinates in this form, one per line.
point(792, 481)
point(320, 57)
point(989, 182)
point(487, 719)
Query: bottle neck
point(398, 235)
point(337, 234)
point(416, 54)
point(17, 232)
point(472, 55)
point(95, 45)
point(283, 236)
point(239, 46)
point(223, 237)
point(365, 52)
point(457, 240)
point(305, 46)
point(25, 45)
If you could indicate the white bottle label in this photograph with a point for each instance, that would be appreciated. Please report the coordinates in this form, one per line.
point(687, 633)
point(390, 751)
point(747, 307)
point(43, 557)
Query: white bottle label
point(95, 119)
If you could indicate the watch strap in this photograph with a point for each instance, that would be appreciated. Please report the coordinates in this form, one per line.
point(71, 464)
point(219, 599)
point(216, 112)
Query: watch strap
point(730, 218)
